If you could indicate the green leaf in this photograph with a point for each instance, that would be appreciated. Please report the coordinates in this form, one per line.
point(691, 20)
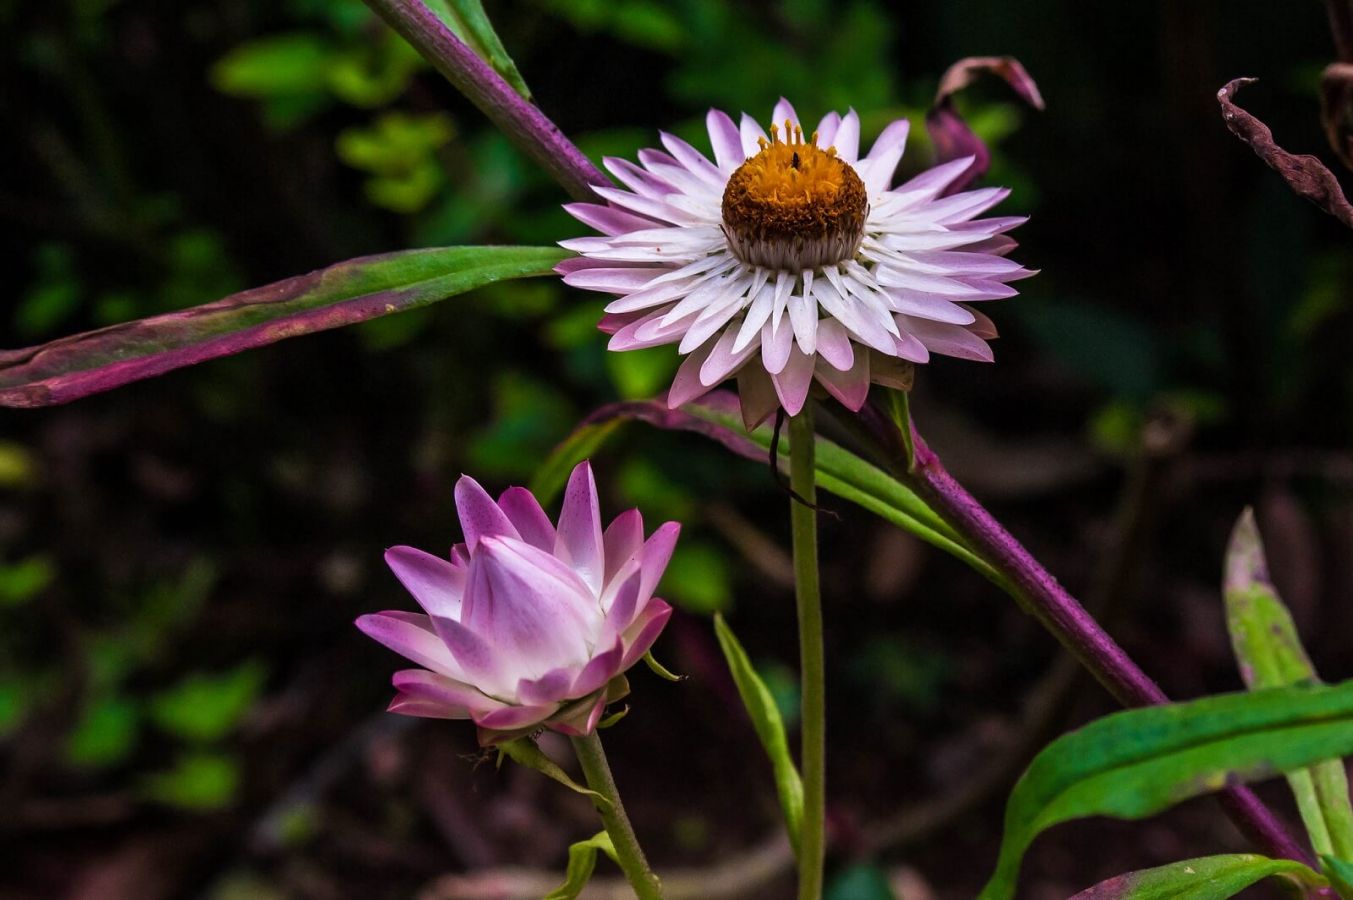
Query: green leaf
point(205, 707)
point(1270, 654)
point(1340, 874)
point(582, 859)
point(198, 781)
point(1206, 878)
point(471, 24)
point(524, 751)
point(277, 65)
point(770, 728)
point(583, 442)
point(1136, 763)
point(24, 580)
point(343, 294)
point(105, 734)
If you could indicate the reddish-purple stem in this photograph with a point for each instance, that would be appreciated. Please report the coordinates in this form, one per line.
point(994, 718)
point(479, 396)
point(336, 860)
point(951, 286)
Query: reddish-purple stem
point(1059, 612)
point(523, 123)
point(1075, 628)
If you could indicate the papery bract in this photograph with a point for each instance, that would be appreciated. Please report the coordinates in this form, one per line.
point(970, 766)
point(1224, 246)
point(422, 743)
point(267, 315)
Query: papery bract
point(791, 260)
point(526, 625)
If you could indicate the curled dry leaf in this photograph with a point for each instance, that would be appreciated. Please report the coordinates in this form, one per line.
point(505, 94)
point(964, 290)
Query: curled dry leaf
point(952, 137)
point(1304, 174)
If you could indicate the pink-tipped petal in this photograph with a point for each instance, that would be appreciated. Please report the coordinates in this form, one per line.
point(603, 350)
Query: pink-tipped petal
point(885, 155)
point(452, 695)
point(847, 139)
point(552, 687)
point(851, 387)
point(657, 554)
point(425, 709)
point(686, 385)
point(791, 385)
point(723, 361)
point(479, 515)
point(581, 723)
point(622, 540)
point(599, 670)
point(579, 538)
point(512, 718)
point(645, 631)
point(412, 637)
point(524, 512)
point(949, 340)
point(608, 219)
point(434, 582)
point(725, 140)
point(624, 601)
point(530, 606)
point(826, 129)
point(833, 345)
point(784, 112)
point(752, 134)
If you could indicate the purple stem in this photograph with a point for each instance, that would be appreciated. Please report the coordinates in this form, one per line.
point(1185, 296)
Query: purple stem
point(1076, 629)
point(1059, 612)
point(525, 125)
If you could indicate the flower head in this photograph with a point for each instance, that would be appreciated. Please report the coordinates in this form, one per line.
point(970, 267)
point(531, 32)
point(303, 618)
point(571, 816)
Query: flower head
point(526, 625)
point(788, 260)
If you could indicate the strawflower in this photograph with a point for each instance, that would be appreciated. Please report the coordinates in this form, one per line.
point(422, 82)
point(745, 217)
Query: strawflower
point(525, 625)
point(788, 260)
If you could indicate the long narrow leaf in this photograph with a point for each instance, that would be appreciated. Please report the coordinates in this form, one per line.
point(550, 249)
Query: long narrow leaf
point(1136, 763)
point(839, 471)
point(471, 24)
point(769, 726)
point(343, 294)
point(1270, 654)
point(1207, 878)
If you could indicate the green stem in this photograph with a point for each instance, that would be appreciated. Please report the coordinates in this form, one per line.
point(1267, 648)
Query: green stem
point(807, 593)
point(630, 855)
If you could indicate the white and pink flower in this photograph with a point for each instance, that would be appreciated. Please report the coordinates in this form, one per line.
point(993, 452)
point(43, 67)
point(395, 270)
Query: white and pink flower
point(787, 260)
point(526, 625)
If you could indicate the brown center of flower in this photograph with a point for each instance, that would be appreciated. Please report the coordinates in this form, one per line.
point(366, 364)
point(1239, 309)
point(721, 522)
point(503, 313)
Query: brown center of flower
point(794, 206)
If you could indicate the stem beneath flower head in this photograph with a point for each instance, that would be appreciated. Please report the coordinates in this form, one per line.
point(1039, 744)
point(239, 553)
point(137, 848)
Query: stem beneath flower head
point(598, 773)
point(808, 595)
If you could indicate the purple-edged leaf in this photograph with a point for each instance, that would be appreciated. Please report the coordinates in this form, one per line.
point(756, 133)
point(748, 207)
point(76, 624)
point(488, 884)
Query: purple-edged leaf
point(1207, 878)
point(1305, 175)
point(1269, 653)
point(952, 137)
point(839, 471)
point(343, 294)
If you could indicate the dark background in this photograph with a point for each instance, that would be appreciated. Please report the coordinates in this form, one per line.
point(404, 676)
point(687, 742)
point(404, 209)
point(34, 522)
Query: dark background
point(185, 707)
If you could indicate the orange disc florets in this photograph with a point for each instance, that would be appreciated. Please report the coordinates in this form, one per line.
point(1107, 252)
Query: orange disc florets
point(794, 206)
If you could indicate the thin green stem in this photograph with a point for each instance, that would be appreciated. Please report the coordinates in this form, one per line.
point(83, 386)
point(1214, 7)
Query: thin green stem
point(598, 773)
point(808, 595)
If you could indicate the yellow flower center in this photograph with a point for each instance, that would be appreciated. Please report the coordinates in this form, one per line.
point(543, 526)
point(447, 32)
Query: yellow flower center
point(794, 206)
